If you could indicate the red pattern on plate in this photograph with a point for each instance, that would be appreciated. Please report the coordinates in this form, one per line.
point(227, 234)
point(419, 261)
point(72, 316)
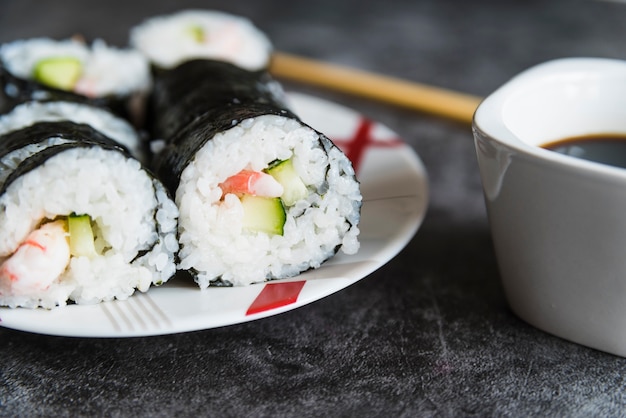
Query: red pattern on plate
point(275, 295)
point(355, 147)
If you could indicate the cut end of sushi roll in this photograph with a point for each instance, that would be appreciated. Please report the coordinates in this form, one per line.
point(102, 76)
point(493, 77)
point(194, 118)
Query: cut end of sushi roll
point(170, 40)
point(131, 250)
point(267, 199)
point(43, 69)
point(125, 240)
point(95, 70)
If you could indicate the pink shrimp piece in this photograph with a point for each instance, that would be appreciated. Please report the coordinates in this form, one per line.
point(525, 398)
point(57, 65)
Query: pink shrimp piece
point(256, 183)
point(229, 39)
point(86, 87)
point(38, 261)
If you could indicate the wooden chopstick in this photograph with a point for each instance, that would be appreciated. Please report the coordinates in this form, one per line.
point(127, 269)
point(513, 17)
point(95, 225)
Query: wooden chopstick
point(433, 100)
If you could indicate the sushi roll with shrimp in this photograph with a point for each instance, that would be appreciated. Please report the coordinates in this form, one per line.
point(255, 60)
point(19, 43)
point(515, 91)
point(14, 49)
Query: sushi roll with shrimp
point(46, 69)
point(261, 195)
point(81, 219)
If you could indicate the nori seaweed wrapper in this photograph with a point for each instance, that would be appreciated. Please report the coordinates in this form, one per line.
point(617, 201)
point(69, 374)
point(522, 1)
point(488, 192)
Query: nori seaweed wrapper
point(189, 91)
point(40, 131)
point(193, 102)
point(76, 135)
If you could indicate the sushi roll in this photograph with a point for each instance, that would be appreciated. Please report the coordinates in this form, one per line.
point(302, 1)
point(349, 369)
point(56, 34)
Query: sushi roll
point(170, 40)
point(81, 219)
point(261, 195)
point(71, 70)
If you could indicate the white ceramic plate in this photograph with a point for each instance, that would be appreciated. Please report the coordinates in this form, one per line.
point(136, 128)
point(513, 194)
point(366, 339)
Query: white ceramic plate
point(395, 197)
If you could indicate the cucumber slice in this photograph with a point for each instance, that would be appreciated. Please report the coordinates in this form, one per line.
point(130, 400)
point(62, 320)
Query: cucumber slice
point(263, 214)
point(293, 186)
point(58, 72)
point(81, 236)
point(196, 33)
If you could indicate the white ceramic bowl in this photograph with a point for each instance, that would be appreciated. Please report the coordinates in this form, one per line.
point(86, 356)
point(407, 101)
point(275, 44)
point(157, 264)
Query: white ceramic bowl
point(558, 222)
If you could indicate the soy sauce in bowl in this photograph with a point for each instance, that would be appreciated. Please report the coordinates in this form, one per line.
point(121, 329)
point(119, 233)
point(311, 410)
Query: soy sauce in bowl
point(602, 148)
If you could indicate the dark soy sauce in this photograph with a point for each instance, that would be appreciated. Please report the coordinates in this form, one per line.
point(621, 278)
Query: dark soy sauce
point(602, 148)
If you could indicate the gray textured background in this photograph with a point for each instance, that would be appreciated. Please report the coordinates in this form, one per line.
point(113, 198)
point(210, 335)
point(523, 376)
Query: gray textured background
point(430, 333)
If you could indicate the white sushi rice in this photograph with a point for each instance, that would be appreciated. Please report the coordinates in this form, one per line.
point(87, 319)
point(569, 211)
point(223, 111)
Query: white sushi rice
point(101, 120)
point(169, 40)
point(213, 241)
point(124, 203)
point(106, 70)
point(20, 56)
